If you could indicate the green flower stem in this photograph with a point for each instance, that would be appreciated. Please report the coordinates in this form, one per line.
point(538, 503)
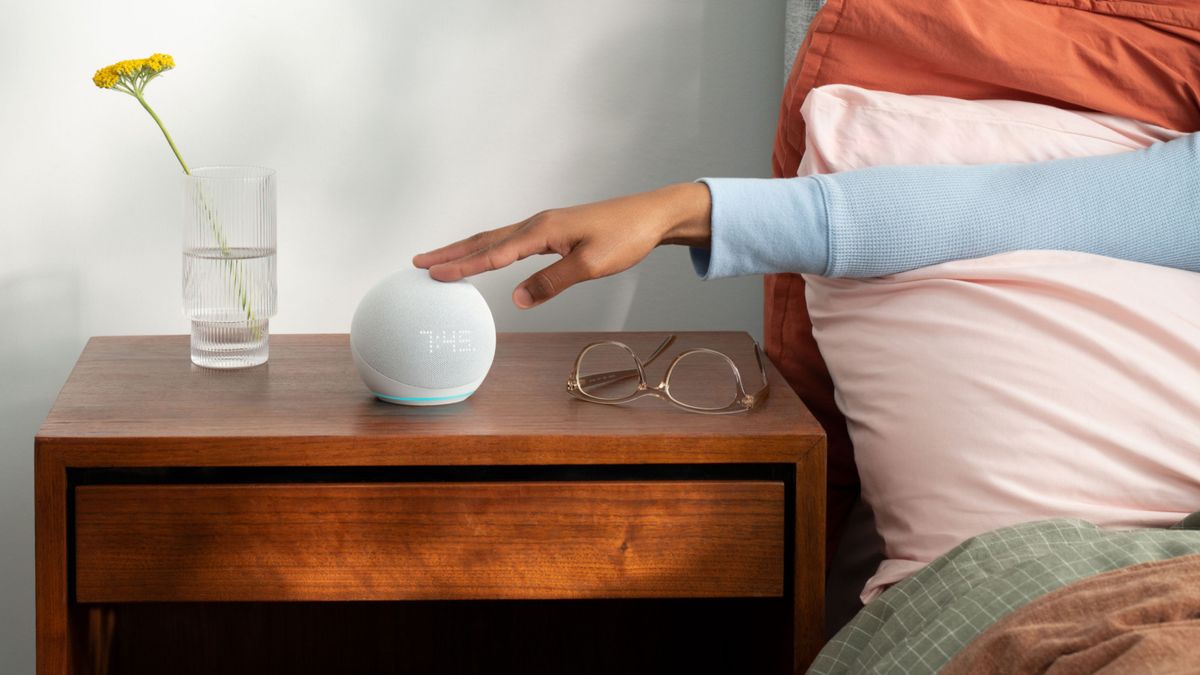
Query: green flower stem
point(138, 95)
point(234, 265)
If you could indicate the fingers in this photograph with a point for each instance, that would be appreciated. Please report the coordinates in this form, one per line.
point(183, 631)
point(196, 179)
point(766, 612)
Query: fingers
point(463, 247)
point(551, 281)
point(594, 240)
point(519, 245)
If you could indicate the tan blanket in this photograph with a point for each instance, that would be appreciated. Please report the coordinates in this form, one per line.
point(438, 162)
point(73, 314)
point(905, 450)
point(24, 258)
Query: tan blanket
point(1139, 619)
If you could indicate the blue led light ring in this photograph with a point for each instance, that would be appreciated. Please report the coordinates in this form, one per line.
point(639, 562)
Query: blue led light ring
point(422, 398)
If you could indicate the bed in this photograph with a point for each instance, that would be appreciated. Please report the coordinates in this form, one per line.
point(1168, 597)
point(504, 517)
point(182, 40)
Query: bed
point(994, 595)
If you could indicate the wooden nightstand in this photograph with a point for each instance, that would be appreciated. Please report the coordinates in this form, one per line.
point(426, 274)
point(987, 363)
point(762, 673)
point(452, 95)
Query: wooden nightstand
point(198, 521)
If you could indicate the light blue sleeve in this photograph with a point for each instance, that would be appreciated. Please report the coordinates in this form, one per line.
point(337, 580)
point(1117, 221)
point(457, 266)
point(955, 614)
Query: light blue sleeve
point(1142, 205)
point(763, 224)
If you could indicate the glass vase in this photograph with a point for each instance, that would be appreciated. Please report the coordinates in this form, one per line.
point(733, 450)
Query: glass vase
point(229, 263)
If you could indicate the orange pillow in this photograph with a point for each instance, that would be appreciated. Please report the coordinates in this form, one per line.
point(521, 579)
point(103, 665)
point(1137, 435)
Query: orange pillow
point(1134, 59)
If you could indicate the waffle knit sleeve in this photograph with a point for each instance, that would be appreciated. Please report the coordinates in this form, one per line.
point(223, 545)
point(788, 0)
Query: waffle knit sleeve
point(1142, 205)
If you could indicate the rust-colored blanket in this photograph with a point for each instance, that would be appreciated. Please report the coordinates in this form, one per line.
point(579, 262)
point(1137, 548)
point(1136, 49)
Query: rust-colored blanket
point(1139, 619)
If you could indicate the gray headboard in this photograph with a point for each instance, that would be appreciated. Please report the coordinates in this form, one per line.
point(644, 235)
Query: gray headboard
point(799, 15)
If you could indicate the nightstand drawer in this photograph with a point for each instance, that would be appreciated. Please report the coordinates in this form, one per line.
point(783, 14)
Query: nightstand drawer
point(398, 541)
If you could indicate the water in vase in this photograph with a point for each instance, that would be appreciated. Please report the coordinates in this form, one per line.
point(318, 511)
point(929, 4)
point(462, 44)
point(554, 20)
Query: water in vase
point(229, 295)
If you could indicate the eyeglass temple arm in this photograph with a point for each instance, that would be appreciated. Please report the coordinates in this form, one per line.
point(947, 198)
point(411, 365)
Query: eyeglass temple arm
point(657, 352)
point(618, 375)
point(764, 390)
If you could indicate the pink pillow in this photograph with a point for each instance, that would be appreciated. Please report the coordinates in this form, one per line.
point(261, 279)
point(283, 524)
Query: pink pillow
point(1017, 387)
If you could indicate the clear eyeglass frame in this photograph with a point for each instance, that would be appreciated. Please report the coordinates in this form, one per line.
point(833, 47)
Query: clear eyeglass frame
point(742, 402)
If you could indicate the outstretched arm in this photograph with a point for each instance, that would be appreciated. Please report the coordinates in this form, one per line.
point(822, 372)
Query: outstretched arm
point(1142, 205)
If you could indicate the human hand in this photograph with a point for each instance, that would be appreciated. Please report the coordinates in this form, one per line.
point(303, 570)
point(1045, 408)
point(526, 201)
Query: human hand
point(594, 240)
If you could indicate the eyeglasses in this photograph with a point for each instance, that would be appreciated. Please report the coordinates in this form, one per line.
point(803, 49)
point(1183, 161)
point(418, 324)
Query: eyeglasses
point(697, 380)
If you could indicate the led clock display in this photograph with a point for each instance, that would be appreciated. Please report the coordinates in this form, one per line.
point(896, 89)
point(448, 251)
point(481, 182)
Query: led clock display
point(447, 341)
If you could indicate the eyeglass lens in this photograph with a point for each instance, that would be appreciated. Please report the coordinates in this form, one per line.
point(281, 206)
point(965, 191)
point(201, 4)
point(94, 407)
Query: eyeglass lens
point(608, 359)
point(703, 380)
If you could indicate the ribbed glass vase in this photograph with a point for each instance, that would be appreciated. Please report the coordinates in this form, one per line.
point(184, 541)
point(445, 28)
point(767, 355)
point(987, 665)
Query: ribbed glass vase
point(229, 263)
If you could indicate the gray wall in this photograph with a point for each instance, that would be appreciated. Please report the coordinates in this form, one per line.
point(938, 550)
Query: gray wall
point(394, 126)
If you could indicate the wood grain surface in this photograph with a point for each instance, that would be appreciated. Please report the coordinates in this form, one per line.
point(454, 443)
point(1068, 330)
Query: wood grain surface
point(448, 541)
point(138, 401)
point(54, 611)
point(808, 573)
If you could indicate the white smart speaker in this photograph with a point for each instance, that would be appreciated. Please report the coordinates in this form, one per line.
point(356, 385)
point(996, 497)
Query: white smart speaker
point(417, 341)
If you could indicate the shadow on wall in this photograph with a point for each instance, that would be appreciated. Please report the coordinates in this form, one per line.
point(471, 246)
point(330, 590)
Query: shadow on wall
point(656, 93)
point(736, 101)
point(39, 342)
point(722, 125)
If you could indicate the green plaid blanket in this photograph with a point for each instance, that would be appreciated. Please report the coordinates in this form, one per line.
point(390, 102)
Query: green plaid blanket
point(918, 625)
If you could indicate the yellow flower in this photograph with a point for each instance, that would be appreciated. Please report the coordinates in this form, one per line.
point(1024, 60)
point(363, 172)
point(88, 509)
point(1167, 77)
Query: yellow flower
point(133, 73)
point(131, 77)
point(130, 68)
point(106, 77)
point(160, 62)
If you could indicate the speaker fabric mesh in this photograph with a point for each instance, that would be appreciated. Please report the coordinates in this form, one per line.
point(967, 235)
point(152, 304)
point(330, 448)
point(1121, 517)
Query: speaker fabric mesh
point(423, 332)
